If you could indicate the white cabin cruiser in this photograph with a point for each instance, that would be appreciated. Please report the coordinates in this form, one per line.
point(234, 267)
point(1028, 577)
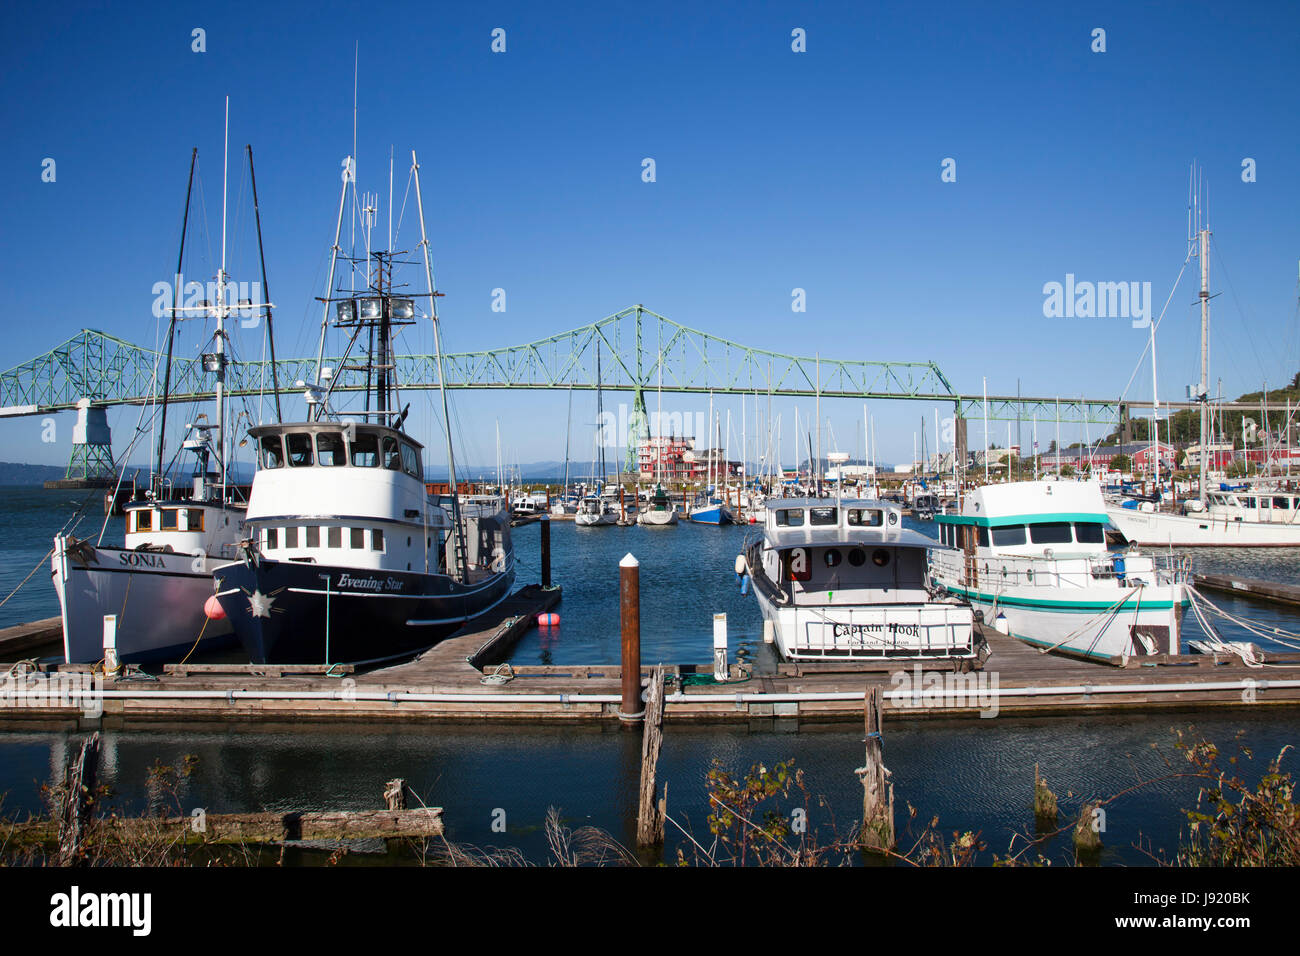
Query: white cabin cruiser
point(595, 510)
point(846, 581)
point(1031, 556)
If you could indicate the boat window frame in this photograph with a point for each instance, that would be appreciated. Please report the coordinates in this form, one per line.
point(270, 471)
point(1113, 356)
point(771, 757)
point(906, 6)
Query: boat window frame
point(390, 453)
point(271, 539)
point(311, 536)
point(174, 514)
point(1043, 538)
point(377, 539)
point(1100, 532)
point(823, 516)
point(1012, 528)
point(190, 523)
point(357, 447)
point(875, 516)
point(289, 441)
point(262, 449)
point(146, 525)
point(410, 459)
point(342, 445)
point(357, 539)
point(783, 517)
point(291, 536)
point(334, 536)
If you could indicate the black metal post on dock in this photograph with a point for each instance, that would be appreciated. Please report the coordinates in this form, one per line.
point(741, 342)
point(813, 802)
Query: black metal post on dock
point(546, 550)
point(629, 585)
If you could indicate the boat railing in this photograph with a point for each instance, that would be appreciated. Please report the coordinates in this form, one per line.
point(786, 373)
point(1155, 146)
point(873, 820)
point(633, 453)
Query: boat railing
point(1005, 571)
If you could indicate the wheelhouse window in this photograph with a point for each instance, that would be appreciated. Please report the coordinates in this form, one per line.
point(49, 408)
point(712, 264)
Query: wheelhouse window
point(291, 537)
point(1009, 536)
point(790, 517)
point(823, 516)
point(984, 536)
point(143, 520)
point(272, 539)
point(1051, 532)
point(359, 538)
point(1089, 532)
point(330, 449)
point(1283, 503)
point(170, 519)
point(334, 537)
point(392, 458)
point(377, 539)
point(313, 536)
point(299, 449)
point(272, 451)
point(194, 519)
point(865, 518)
point(410, 460)
point(365, 451)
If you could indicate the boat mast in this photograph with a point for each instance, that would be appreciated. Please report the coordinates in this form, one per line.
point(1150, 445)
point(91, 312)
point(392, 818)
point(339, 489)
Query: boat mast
point(171, 326)
point(348, 173)
point(1204, 233)
point(457, 527)
point(266, 292)
point(222, 444)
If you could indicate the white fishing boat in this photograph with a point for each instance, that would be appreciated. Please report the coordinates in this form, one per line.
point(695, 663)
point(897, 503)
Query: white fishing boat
point(1031, 556)
point(348, 558)
point(844, 580)
point(158, 584)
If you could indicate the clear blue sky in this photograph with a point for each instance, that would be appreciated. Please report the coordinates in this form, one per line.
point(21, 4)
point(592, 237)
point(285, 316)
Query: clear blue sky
point(775, 170)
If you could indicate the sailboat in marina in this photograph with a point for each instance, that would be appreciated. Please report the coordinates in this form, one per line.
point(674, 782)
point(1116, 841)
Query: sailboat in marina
point(347, 556)
point(158, 585)
point(1260, 517)
point(659, 511)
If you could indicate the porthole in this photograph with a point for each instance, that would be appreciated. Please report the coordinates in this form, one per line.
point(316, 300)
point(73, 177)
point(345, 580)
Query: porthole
point(880, 557)
point(831, 557)
point(857, 557)
point(893, 517)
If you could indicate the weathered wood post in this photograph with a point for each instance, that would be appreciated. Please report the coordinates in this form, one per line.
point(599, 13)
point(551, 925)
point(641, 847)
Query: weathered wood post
point(546, 549)
point(629, 605)
point(78, 801)
point(877, 789)
point(650, 814)
point(395, 794)
point(1046, 810)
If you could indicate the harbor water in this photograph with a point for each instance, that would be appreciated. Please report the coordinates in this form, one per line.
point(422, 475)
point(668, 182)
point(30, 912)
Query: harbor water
point(496, 783)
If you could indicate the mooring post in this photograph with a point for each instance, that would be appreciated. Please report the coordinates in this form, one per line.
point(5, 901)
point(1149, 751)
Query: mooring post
point(651, 813)
point(877, 789)
point(719, 647)
point(395, 794)
point(629, 603)
point(111, 664)
point(546, 549)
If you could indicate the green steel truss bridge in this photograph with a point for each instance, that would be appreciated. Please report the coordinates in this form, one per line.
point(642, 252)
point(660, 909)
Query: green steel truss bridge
point(635, 350)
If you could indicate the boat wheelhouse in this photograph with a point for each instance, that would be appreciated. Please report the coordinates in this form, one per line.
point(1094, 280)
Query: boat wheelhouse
point(844, 580)
point(1032, 557)
point(348, 557)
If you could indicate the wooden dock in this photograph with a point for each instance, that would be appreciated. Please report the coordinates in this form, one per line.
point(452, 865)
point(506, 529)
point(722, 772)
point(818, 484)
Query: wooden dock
point(1272, 592)
point(21, 640)
point(457, 681)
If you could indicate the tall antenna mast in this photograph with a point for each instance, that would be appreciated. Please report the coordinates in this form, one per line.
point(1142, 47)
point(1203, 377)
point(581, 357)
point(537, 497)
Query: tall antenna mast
point(221, 311)
point(457, 528)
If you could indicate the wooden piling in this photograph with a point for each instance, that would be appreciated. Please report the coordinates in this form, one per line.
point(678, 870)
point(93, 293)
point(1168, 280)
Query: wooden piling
point(1045, 807)
point(877, 789)
point(650, 814)
point(546, 547)
point(1087, 839)
point(629, 580)
point(395, 794)
point(77, 801)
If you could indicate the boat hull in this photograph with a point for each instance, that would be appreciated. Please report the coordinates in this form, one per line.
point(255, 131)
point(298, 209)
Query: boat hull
point(287, 612)
point(157, 597)
point(657, 519)
point(1086, 622)
point(1183, 531)
point(715, 515)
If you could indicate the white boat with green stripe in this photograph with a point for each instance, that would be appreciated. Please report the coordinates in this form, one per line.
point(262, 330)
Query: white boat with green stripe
point(1032, 557)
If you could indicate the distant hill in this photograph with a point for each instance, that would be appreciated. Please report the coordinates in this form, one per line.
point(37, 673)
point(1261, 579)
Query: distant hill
point(15, 473)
